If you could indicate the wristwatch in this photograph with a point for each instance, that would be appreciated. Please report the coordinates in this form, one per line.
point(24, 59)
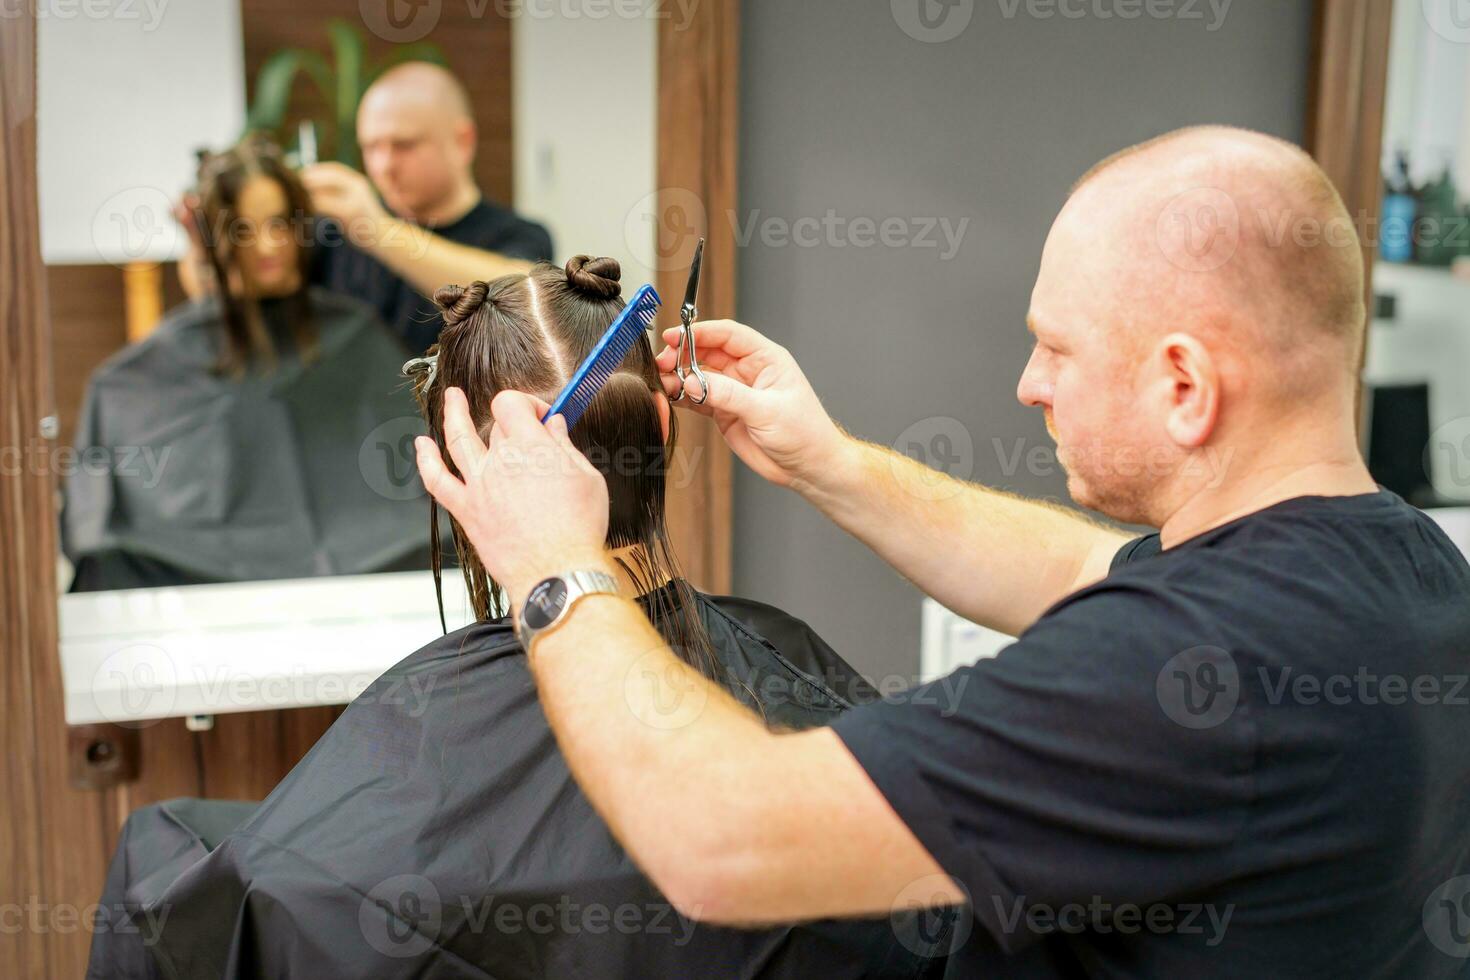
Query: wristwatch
point(550, 601)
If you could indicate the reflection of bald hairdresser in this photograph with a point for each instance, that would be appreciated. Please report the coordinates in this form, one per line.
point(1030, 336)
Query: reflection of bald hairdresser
point(418, 136)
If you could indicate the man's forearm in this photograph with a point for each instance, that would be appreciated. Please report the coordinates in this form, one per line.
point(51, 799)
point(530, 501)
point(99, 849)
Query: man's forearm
point(661, 751)
point(991, 556)
point(735, 824)
point(428, 261)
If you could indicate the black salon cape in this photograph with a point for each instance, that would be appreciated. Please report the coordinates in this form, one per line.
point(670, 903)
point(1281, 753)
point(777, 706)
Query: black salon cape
point(434, 832)
point(185, 476)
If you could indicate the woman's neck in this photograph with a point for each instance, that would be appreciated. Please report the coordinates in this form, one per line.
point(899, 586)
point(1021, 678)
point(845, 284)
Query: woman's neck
point(634, 556)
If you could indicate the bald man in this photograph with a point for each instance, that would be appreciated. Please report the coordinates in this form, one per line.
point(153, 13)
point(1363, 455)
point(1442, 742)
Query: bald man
point(432, 225)
point(1235, 747)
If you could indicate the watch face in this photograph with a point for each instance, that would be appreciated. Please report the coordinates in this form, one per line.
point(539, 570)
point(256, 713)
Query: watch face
point(545, 603)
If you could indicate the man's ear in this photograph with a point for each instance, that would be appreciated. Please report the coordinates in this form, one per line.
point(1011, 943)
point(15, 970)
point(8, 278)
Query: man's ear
point(467, 139)
point(1193, 392)
point(661, 402)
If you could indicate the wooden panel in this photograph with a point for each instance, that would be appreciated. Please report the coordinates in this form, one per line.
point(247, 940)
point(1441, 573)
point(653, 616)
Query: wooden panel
point(51, 847)
point(474, 38)
point(245, 755)
point(88, 324)
point(698, 86)
point(1345, 110)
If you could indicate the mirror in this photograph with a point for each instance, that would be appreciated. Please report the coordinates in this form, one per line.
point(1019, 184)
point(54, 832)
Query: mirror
point(227, 366)
point(1418, 407)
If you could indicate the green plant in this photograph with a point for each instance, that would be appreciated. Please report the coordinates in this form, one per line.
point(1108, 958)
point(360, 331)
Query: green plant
point(341, 81)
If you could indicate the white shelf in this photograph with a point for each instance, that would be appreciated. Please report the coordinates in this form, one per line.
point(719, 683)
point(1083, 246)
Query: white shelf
point(142, 654)
point(948, 642)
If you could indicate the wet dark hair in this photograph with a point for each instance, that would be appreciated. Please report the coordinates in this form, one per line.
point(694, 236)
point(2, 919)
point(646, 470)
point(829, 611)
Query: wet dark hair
point(530, 332)
point(221, 178)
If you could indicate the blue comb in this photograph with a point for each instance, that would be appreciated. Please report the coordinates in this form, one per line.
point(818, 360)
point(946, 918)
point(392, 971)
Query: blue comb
point(635, 319)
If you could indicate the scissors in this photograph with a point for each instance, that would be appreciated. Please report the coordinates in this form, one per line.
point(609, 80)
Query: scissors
point(687, 313)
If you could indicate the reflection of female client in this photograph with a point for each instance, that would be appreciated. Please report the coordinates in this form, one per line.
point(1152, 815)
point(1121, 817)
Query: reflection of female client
point(435, 829)
point(218, 448)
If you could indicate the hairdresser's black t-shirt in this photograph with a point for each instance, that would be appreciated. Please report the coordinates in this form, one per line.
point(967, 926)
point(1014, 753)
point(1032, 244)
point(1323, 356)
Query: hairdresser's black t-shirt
point(1244, 756)
point(411, 316)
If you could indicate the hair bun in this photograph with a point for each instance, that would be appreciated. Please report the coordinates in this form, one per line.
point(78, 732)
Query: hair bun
point(458, 302)
point(594, 277)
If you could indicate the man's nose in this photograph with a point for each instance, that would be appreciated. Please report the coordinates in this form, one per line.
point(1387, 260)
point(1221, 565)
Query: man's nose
point(1033, 390)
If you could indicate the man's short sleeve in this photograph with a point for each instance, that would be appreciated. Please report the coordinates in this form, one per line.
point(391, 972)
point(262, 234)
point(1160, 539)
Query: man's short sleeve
point(1137, 549)
point(1057, 772)
point(528, 241)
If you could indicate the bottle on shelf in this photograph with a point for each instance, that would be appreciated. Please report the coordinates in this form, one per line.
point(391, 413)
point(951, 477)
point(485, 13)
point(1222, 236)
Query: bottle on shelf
point(1400, 209)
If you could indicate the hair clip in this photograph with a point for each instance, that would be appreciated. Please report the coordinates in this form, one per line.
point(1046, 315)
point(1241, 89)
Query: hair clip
point(419, 365)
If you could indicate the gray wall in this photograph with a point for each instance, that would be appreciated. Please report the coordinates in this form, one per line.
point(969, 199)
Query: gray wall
point(843, 110)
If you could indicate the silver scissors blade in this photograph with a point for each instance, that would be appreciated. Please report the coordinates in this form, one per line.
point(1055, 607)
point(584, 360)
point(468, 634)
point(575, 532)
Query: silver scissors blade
point(687, 313)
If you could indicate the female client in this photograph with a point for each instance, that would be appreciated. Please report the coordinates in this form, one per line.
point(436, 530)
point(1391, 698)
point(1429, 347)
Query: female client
point(212, 450)
point(435, 830)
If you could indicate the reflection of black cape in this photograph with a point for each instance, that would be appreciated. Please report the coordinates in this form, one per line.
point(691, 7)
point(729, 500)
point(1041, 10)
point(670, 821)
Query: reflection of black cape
point(434, 831)
point(184, 475)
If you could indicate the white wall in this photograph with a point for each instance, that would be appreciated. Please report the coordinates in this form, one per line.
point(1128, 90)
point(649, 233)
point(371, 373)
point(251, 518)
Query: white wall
point(585, 103)
point(126, 92)
point(1428, 113)
point(1428, 340)
point(1429, 91)
point(846, 110)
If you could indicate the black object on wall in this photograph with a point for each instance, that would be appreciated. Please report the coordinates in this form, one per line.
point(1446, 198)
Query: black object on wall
point(1398, 432)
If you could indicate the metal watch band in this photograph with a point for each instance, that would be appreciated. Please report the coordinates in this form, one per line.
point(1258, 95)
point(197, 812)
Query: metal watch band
point(580, 583)
point(589, 582)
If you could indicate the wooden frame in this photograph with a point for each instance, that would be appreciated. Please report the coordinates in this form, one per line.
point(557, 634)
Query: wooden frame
point(34, 866)
point(698, 108)
point(57, 838)
point(1349, 86)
